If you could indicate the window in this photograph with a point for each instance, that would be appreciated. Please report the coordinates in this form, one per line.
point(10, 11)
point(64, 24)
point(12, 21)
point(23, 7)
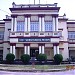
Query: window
point(20, 26)
point(48, 26)
point(1, 35)
point(34, 26)
point(71, 35)
point(1, 54)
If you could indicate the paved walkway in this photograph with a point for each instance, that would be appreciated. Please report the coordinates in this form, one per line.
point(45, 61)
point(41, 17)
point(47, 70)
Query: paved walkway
point(71, 72)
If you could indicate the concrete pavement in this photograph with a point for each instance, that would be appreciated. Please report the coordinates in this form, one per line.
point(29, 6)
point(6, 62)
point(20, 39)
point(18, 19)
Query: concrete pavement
point(70, 72)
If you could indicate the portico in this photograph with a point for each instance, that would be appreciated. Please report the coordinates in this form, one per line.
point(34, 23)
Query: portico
point(33, 48)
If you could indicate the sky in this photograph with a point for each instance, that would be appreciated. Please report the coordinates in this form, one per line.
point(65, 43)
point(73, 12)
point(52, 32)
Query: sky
point(67, 6)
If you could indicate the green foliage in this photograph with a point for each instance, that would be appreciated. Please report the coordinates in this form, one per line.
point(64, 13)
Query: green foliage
point(25, 58)
point(42, 57)
point(58, 58)
point(10, 58)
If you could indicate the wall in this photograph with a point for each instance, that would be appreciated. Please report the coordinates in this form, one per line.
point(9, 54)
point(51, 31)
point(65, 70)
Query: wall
point(6, 45)
point(63, 26)
point(2, 28)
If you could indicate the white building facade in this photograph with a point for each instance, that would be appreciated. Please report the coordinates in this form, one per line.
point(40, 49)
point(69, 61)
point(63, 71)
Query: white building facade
point(34, 29)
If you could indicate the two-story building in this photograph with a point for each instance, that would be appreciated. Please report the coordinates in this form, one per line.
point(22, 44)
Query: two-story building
point(34, 29)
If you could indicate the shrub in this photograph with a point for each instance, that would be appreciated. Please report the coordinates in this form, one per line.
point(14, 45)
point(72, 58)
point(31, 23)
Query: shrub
point(10, 58)
point(42, 57)
point(25, 58)
point(58, 58)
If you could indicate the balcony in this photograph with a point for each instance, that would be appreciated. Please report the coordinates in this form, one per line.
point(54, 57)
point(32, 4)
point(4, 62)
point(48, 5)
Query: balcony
point(71, 40)
point(35, 34)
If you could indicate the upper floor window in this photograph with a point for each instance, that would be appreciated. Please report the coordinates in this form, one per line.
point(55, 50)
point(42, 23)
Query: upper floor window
point(48, 26)
point(34, 26)
point(20, 26)
point(71, 35)
point(1, 35)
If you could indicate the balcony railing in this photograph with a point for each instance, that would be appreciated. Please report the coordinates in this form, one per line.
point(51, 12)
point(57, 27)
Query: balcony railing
point(27, 34)
point(71, 40)
point(33, 5)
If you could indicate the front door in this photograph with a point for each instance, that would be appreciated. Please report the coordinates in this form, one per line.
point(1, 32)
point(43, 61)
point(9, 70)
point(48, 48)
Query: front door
point(19, 52)
point(34, 52)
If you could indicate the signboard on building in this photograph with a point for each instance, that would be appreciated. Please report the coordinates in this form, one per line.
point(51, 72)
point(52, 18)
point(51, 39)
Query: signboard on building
point(34, 39)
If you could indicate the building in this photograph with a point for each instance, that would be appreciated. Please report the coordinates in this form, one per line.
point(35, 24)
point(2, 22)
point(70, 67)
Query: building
point(37, 28)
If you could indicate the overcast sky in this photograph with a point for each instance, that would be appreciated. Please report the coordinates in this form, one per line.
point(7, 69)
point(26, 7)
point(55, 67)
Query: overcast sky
point(67, 6)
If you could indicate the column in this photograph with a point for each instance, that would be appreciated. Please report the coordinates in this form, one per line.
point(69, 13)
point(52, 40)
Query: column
point(11, 49)
point(39, 23)
point(55, 50)
point(39, 49)
point(43, 49)
point(29, 24)
point(25, 26)
point(43, 24)
point(58, 49)
point(15, 25)
point(56, 23)
point(28, 50)
point(53, 23)
point(12, 25)
point(25, 49)
point(14, 50)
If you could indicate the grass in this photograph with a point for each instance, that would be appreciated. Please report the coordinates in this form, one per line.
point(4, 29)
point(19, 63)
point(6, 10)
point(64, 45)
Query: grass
point(33, 66)
point(49, 67)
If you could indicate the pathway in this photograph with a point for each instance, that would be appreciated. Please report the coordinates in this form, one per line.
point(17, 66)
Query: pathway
point(72, 72)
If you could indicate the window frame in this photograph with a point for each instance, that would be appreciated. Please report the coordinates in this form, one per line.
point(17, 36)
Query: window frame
point(34, 26)
point(48, 26)
point(20, 26)
point(71, 34)
point(1, 35)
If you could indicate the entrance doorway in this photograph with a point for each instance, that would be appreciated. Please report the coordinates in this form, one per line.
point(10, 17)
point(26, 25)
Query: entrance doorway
point(19, 52)
point(34, 52)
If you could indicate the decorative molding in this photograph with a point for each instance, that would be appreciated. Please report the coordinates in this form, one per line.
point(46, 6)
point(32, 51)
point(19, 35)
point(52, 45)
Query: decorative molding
point(26, 44)
point(61, 48)
point(2, 22)
point(35, 37)
point(27, 15)
point(54, 15)
point(41, 44)
point(63, 19)
point(70, 22)
point(7, 19)
point(36, 8)
point(71, 42)
point(64, 41)
point(61, 29)
point(14, 16)
point(41, 15)
point(4, 42)
point(55, 44)
point(12, 44)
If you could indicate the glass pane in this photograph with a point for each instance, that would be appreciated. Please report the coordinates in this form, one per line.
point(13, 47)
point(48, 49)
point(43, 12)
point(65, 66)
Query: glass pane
point(20, 26)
